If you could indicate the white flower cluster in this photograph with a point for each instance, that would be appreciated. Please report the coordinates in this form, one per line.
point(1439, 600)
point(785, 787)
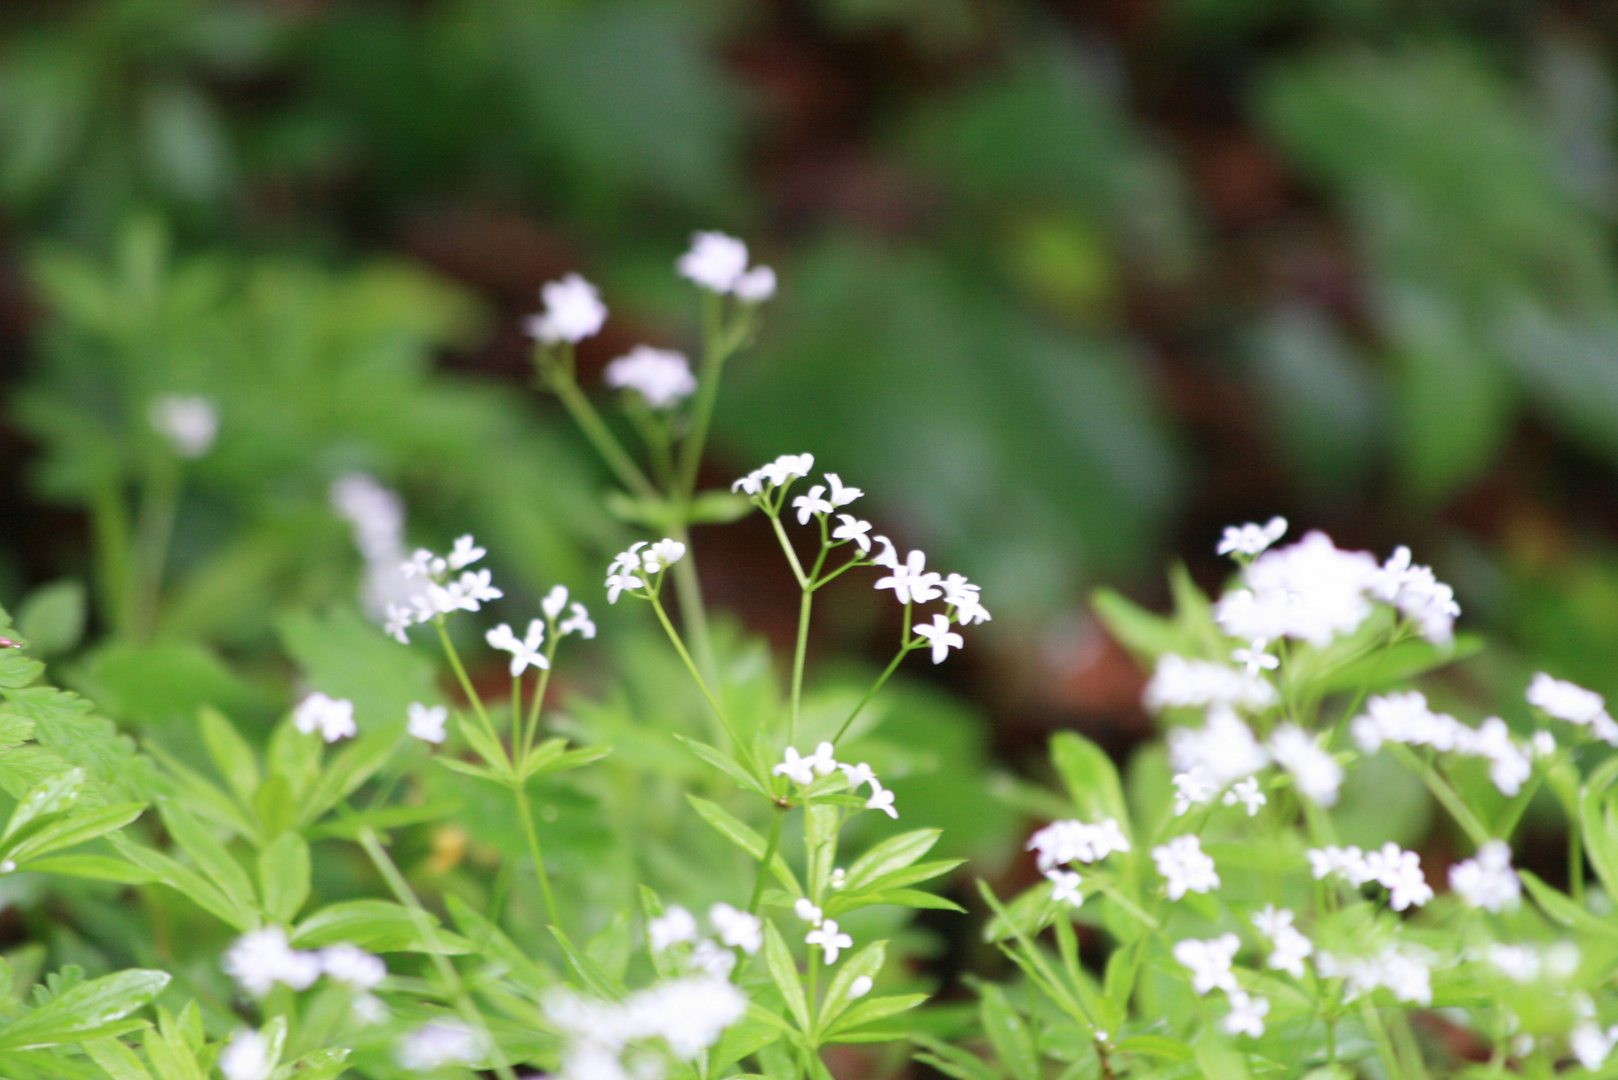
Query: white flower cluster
point(734, 929)
point(823, 931)
point(1207, 759)
point(1181, 683)
point(1406, 718)
point(661, 376)
point(261, 958)
point(804, 769)
point(1289, 947)
point(1394, 869)
point(334, 719)
point(1251, 539)
point(1314, 592)
point(247, 1057)
point(1591, 1045)
point(1487, 880)
point(1403, 972)
point(767, 478)
point(437, 1044)
point(1527, 963)
point(442, 590)
point(573, 312)
point(639, 567)
point(1185, 867)
point(1209, 962)
point(1563, 700)
point(190, 423)
point(719, 263)
point(1315, 773)
point(377, 516)
point(687, 1015)
point(1064, 842)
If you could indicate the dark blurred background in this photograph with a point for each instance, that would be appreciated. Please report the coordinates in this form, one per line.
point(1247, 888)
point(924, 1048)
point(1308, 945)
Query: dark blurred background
point(1066, 287)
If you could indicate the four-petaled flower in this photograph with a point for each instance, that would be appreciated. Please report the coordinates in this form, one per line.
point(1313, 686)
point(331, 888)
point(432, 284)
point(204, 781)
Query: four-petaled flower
point(427, 724)
point(881, 799)
point(826, 936)
point(333, 718)
point(465, 553)
point(941, 636)
point(812, 503)
point(852, 528)
point(573, 311)
point(554, 602)
point(525, 650)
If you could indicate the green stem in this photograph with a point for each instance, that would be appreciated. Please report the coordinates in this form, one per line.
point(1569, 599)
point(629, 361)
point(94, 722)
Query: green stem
point(792, 556)
point(531, 729)
point(797, 665)
point(693, 613)
point(160, 504)
point(1443, 792)
point(1384, 1045)
point(882, 679)
point(769, 857)
point(716, 349)
point(471, 694)
point(429, 935)
point(109, 522)
point(520, 789)
point(702, 684)
point(600, 435)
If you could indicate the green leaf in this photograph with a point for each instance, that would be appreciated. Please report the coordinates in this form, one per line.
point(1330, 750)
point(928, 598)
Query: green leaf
point(894, 853)
point(746, 839)
point(52, 796)
point(718, 507)
point(868, 963)
point(869, 1011)
point(52, 618)
point(1218, 1059)
point(489, 940)
point(91, 867)
point(1090, 778)
point(210, 856)
point(116, 1059)
point(1596, 820)
point(479, 771)
point(721, 761)
point(910, 898)
point(1154, 1046)
point(75, 829)
point(188, 882)
point(952, 1060)
point(321, 1065)
point(377, 925)
point(84, 1008)
point(486, 747)
point(1563, 909)
point(275, 803)
point(573, 759)
point(202, 796)
point(599, 981)
point(778, 958)
point(1008, 1033)
point(230, 753)
point(283, 876)
point(1146, 635)
point(354, 765)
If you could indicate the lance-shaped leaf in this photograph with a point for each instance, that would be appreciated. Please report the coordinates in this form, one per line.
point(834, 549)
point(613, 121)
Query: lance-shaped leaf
point(894, 853)
point(84, 1009)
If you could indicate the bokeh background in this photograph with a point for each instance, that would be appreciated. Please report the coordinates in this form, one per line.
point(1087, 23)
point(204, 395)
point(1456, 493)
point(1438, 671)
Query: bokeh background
point(1067, 286)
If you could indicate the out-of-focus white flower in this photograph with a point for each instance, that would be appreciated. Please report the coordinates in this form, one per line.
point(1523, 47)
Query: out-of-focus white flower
point(1315, 773)
point(352, 965)
point(464, 553)
point(1311, 590)
point(247, 1057)
point(1065, 887)
point(1419, 596)
point(1568, 701)
point(1247, 793)
point(881, 799)
point(261, 958)
point(1405, 718)
point(554, 603)
point(689, 1014)
point(860, 987)
point(190, 423)
point(802, 769)
point(1063, 842)
point(737, 929)
point(852, 528)
point(437, 1044)
point(334, 719)
point(1246, 1016)
point(1396, 870)
point(661, 376)
point(965, 598)
point(1192, 789)
point(911, 581)
point(525, 651)
point(807, 911)
point(1591, 1045)
point(1487, 880)
point(1223, 750)
point(811, 503)
point(941, 637)
point(1185, 867)
point(1209, 961)
point(1518, 963)
point(1255, 659)
point(755, 286)
point(1290, 946)
point(1403, 973)
point(830, 941)
point(573, 311)
point(1180, 683)
point(715, 261)
point(578, 622)
point(427, 723)
point(675, 926)
point(841, 495)
point(1250, 539)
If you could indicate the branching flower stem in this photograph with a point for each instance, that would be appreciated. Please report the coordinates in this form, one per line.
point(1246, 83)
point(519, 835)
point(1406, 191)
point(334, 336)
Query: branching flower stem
point(770, 846)
point(908, 643)
point(470, 691)
point(702, 684)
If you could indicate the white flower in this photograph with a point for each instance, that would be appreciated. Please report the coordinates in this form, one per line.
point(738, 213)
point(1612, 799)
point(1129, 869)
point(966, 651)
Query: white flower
point(437, 1044)
point(352, 965)
point(675, 926)
point(1315, 772)
point(1487, 880)
point(807, 911)
point(778, 473)
point(1255, 659)
point(803, 770)
point(941, 637)
point(1347, 862)
point(1591, 1045)
point(812, 503)
point(1311, 590)
point(689, 1014)
point(737, 929)
point(881, 799)
point(334, 719)
point(1567, 701)
point(465, 553)
point(1291, 947)
point(1185, 866)
point(427, 723)
point(860, 987)
point(554, 603)
point(1402, 973)
point(711, 958)
point(755, 286)
point(1517, 962)
point(1209, 962)
point(1419, 596)
point(398, 620)
point(662, 555)
point(1065, 887)
point(1191, 789)
point(525, 651)
point(247, 1057)
point(620, 583)
point(1247, 793)
point(910, 580)
point(1063, 842)
point(1400, 873)
point(661, 376)
point(189, 423)
point(859, 775)
point(1180, 683)
point(573, 311)
point(841, 495)
point(887, 557)
point(577, 623)
point(1251, 539)
point(1246, 1016)
point(715, 261)
point(963, 596)
point(1221, 751)
point(261, 958)
point(854, 529)
point(826, 936)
